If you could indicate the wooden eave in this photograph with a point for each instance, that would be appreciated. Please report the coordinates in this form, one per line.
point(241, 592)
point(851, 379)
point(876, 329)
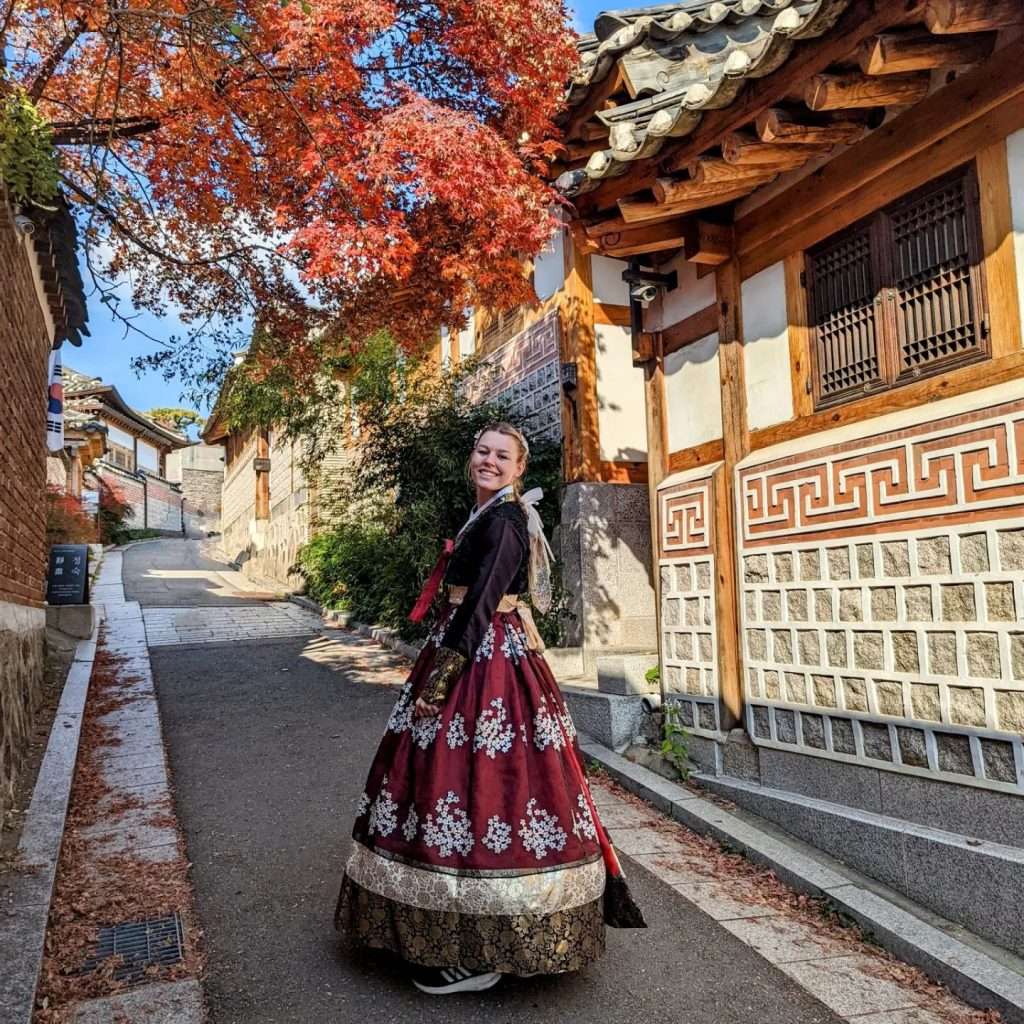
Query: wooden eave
point(873, 62)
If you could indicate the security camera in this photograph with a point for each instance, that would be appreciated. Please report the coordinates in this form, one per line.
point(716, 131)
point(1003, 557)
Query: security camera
point(24, 225)
point(644, 292)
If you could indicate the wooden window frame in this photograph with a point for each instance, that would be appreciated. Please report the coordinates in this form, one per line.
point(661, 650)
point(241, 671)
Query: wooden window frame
point(888, 343)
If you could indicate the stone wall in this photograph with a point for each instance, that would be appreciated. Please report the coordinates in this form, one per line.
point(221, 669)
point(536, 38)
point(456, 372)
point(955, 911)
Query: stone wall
point(882, 589)
point(25, 342)
point(201, 489)
point(155, 503)
point(163, 505)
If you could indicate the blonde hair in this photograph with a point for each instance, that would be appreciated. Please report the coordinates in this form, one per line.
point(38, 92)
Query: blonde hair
point(509, 430)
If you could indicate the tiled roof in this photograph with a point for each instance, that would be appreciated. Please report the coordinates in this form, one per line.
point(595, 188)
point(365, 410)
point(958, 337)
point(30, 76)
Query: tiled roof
point(76, 383)
point(678, 61)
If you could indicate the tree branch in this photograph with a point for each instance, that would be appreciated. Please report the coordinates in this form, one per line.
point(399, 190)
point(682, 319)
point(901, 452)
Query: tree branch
point(71, 133)
point(51, 63)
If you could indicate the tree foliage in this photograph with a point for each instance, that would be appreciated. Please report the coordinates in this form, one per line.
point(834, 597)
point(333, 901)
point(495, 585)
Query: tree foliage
point(28, 165)
point(353, 164)
point(176, 418)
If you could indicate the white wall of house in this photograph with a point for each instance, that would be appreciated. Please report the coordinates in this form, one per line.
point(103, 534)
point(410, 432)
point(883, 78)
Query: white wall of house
point(115, 435)
point(606, 279)
point(691, 295)
point(1015, 158)
point(549, 267)
point(621, 419)
point(693, 394)
point(467, 336)
point(147, 457)
point(766, 348)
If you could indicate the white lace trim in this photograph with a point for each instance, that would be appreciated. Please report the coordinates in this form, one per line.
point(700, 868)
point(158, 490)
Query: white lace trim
point(541, 892)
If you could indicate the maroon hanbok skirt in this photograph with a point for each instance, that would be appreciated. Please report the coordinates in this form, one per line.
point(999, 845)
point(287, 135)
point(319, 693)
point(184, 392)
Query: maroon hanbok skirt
point(474, 842)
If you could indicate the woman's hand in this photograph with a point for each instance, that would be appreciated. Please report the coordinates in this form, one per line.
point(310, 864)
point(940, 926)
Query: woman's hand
point(425, 710)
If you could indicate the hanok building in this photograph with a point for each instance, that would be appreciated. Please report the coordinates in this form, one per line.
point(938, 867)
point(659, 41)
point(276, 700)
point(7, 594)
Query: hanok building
point(134, 462)
point(826, 198)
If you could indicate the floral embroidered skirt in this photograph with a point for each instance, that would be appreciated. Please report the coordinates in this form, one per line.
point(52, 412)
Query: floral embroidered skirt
point(474, 843)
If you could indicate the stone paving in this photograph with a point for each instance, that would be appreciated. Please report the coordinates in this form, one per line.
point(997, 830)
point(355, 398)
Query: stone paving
point(216, 625)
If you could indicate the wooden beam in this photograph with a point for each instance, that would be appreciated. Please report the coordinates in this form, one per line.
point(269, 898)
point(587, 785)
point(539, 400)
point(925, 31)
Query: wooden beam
point(942, 16)
point(699, 455)
point(636, 211)
point(942, 131)
point(708, 244)
point(669, 190)
point(800, 335)
point(619, 472)
point(893, 53)
point(606, 195)
point(744, 150)
point(712, 171)
point(997, 239)
point(696, 326)
point(782, 128)
point(735, 445)
point(855, 89)
point(615, 237)
point(617, 316)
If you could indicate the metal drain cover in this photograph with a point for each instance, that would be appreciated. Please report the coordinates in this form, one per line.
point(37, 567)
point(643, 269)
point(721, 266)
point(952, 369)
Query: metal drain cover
point(141, 943)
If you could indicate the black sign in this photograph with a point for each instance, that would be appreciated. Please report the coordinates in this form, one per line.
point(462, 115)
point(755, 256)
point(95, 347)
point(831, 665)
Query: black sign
point(68, 579)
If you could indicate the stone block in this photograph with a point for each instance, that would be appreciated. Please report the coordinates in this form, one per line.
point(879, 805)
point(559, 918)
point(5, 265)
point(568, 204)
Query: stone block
point(974, 553)
point(967, 706)
point(843, 741)
point(889, 698)
point(810, 565)
point(703, 573)
point(755, 569)
point(684, 646)
point(957, 601)
point(835, 646)
point(771, 605)
point(983, 660)
point(707, 717)
point(813, 729)
point(810, 647)
point(670, 610)
point(1000, 605)
point(868, 650)
point(168, 1002)
point(686, 712)
point(918, 604)
point(77, 620)
point(750, 605)
point(785, 725)
point(692, 610)
point(704, 646)
point(1011, 549)
point(1017, 655)
point(913, 749)
point(838, 563)
point(851, 605)
point(796, 605)
point(754, 682)
point(924, 702)
point(977, 886)
point(782, 646)
point(692, 679)
point(796, 688)
point(824, 691)
point(610, 719)
point(877, 742)
point(905, 654)
point(851, 987)
point(673, 679)
point(855, 694)
point(823, 605)
point(999, 762)
point(933, 557)
point(772, 686)
point(625, 674)
point(761, 723)
point(942, 654)
point(684, 577)
point(954, 753)
point(866, 561)
point(740, 757)
point(895, 558)
point(883, 604)
point(783, 564)
point(1010, 711)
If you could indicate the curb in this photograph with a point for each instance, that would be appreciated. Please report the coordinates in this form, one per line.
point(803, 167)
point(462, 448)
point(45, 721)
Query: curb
point(30, 891)
point(385, 636)
point(975, 977)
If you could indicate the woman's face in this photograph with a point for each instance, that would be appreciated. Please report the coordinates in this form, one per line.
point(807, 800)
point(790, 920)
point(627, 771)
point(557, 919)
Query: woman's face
point(495, 462)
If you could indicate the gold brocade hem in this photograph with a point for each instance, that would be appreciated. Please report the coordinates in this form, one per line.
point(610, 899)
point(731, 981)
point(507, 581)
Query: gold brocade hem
point(566, 940)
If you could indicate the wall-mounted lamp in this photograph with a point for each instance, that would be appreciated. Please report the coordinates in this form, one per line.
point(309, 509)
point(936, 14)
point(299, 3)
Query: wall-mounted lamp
point(568, 377)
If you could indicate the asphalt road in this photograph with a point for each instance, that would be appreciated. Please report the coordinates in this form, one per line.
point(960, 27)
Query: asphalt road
point(269, 749)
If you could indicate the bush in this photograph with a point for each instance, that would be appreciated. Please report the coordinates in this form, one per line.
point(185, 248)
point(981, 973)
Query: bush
point(66, 521)
point(114, 513)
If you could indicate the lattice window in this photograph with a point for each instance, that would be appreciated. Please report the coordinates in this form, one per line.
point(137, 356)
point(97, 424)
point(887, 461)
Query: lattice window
point(501, 326)
point(899, 295)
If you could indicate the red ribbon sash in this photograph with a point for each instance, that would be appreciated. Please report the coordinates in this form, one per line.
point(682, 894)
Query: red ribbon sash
point(433, 583)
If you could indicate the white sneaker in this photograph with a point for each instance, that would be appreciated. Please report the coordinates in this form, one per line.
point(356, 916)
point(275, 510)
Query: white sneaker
point(444, 981)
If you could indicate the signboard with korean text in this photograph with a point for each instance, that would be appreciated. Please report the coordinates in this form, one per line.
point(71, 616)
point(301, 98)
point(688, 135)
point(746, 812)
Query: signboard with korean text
point(68, 577)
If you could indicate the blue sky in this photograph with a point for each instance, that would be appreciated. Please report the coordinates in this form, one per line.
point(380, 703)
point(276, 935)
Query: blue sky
point(109, 351)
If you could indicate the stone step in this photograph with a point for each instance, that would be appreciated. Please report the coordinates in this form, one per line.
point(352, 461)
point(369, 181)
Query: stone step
point(611, 719)
point(565, 661)
point(625, 673)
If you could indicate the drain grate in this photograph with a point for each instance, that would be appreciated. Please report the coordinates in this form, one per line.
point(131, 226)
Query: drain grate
point(141, 943)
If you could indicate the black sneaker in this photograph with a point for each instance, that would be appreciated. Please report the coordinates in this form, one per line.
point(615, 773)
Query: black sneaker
point(444, 981)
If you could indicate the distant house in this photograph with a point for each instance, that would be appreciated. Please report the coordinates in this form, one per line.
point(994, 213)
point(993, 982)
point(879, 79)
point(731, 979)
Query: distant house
point(134, 464)
point(199, 471)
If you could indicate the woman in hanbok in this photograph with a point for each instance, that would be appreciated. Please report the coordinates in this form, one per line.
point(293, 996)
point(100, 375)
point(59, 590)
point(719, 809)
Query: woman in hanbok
point(477, 847)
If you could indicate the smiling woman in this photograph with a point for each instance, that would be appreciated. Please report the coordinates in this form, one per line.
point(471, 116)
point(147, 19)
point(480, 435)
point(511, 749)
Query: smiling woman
point(477, 848)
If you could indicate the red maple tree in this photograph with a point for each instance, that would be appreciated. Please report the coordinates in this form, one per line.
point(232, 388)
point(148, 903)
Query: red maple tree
point(361, 163)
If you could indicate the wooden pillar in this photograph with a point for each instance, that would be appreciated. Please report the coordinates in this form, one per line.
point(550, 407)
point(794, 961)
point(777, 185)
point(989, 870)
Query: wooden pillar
point(736, 444)
point(262, 474)
point(581, 450)
point(657, 463)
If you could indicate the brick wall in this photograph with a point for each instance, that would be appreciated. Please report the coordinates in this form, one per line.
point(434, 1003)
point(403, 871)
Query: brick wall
point(163, 505)
point(24, 341)
point(155, 503)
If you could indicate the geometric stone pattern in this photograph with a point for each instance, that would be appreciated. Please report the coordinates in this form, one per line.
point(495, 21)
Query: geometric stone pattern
point(524, 375)
point(904, 650)
point(956, 468)
point(167, 626)
point(689, 647)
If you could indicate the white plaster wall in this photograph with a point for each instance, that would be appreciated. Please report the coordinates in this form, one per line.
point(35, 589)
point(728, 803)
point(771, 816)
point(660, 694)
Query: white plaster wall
point(549, 267)
point(606, 277)
point(766, 348)
point(692, 394)
point(621, 419)
point(467, 341)
point(690, 296)
point(147, 457)
point(117, 436)
point(446, 347)
point(1015, 158)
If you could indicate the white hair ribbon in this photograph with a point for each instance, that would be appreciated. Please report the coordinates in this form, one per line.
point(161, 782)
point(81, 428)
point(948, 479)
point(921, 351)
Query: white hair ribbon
point(540, 552)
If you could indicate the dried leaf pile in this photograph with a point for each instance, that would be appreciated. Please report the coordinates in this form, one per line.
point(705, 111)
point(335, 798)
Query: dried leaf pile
point(96, 889)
